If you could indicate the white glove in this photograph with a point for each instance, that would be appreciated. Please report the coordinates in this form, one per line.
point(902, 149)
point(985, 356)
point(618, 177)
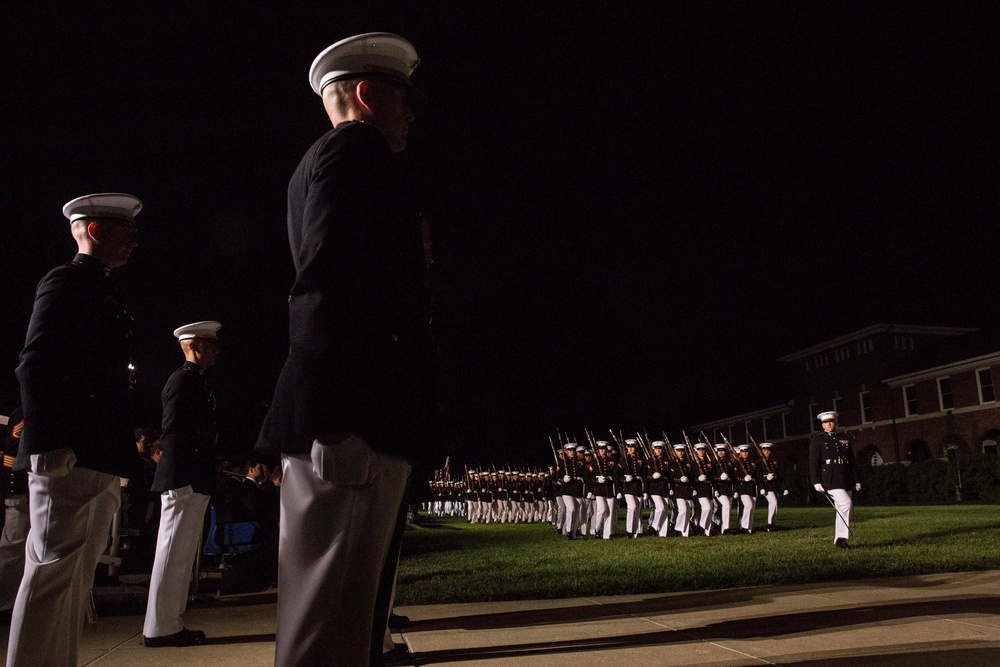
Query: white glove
point(619, 496)
point(590, 496)
point(628, 478)
point(645, 496)
point(857, 487)
point(601, 479)
point(716, 494)
point(785, 493)
point(818, 487)
point(684, 479)
point(657, 475)
point(770, 476)
point(566, 479)
point(702, 478)
point(748, 478)
point(723, 477)
point(671, 492)
point(763, 492)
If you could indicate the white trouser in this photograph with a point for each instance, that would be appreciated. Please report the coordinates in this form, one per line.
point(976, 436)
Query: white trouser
point(15, 534)
point(339, 507)
point(571, 521)
point(633, 515)
point(659, 513)
point(586, 513)
point(70, 518)
point(571, 516)
point(842, 502)
point(684, 508)
point(726, 504)
point(772, 506)
point(707, 512)
point(182, 517)
point(746, 518)
point(603, 517)
point(560, 511)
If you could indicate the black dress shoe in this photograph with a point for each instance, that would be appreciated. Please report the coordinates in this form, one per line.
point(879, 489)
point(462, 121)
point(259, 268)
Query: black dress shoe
point(841, 543)
point(183, 638)
point(398, 621)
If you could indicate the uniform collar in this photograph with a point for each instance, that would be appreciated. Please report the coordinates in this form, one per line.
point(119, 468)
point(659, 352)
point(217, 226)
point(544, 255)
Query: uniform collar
point(88, 261)
point(190, 365)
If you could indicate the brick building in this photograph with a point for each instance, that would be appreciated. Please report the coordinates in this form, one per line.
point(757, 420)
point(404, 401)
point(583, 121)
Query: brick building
point(905, 393)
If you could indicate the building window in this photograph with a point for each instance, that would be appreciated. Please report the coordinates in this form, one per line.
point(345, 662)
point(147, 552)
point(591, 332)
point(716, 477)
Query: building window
point(876, 459)
point(910, 399)
point(866, 407)
point(812, 417)
point(836, 407)
point(945, 397)
point(990, 447)
point(985, 379)
point(784, 426)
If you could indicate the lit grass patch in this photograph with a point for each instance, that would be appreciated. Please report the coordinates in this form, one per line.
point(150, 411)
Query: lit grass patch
point(449, 560)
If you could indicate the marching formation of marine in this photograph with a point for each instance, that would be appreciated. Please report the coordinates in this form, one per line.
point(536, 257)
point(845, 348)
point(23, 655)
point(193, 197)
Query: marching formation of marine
point(689, 488)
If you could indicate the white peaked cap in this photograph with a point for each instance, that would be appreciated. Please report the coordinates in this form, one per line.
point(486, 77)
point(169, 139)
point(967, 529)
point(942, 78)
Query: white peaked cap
point(207, 329)
point(103, 205)
point(374, 53)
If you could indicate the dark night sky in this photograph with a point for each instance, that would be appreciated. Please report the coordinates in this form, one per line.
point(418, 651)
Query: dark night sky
point(637, 207)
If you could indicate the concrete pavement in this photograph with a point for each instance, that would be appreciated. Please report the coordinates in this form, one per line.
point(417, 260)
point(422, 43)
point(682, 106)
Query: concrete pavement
point(940, 619)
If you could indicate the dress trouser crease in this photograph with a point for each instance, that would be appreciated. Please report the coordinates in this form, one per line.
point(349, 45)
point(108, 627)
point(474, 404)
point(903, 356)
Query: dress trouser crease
point(70, 518)
point(340, 507)
point(182, 517)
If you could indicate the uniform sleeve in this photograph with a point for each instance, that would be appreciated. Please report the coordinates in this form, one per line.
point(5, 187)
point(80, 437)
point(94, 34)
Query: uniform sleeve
point(815, 446)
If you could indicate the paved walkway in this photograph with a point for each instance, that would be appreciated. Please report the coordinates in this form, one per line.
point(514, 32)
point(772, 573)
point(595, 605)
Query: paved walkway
point(942, 619)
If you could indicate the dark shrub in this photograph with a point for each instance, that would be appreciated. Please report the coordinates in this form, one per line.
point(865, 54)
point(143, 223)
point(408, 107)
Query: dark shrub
point(928, 481)
point(980, 476)
point(883, 484)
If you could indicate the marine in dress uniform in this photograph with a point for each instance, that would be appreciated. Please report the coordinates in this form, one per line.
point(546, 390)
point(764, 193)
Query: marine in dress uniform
point(681, 477)
point(633, 475)
point(354, 405)
point(831, 470)
point(725, 472)
point(77, 441)
point(746, 486)
point(705, 487)
point(571, 490)
point(603, 487)
point(185, 479)
point(770, 483)
point(14, 486)
point(659, 489)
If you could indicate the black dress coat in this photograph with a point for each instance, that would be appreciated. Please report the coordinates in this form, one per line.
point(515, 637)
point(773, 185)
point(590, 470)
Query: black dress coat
point(360, 353)
point(189, 433)
point(831, 461)
point(74, 371)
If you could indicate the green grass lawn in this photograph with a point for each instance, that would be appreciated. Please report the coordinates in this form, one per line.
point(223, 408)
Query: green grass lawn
point(448, 560)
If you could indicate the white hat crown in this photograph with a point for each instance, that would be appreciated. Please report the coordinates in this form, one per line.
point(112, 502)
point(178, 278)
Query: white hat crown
point(207, 329)
point(103, 205)
point(376, 53)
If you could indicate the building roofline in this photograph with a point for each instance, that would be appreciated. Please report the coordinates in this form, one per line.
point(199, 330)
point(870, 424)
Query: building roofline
point(783, 408)
point(937, 371)
point(871, 331)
